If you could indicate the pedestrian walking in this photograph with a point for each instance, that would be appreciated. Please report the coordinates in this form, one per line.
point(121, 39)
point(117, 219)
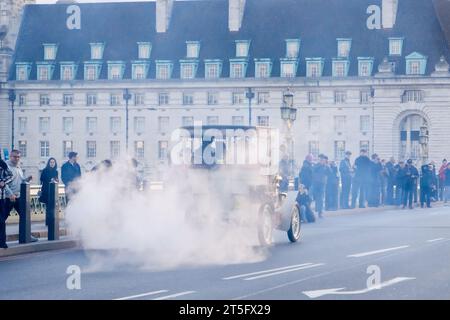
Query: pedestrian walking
point(346, 171)
point(6, 177)
point(70, 172)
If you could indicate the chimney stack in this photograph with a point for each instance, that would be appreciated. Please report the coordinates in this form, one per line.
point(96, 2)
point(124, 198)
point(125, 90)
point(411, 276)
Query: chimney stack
point(163, 15)
point(389, 13)
point(236, 10)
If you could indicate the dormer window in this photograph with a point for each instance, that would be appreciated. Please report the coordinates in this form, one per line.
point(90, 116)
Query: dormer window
point(144, 50)
point(344, 46)
point(97, 51)
point(314, 67)
point(192, 49)
point(340, 68)
point(45, 71)
point(238, 68)
point(242, 48)
point(68, 71)
point(188, 69)
point(164, 69)
point(115, 70)
point(395, 46)
point(23, 70)
point(213, 69)
point(416, 64)
point(139, 70)
point(292, 48)
point(365, 66)
point(92, 70)
point(263, 68)
point(288, 68)
point(50, 50)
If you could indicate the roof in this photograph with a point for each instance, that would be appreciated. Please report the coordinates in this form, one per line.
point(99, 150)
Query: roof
point(267, 23)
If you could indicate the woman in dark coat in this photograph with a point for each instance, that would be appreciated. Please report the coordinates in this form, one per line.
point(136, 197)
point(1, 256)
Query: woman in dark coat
point(49, 174)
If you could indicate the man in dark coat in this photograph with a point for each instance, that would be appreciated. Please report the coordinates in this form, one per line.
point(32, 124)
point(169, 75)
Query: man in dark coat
point(426, 185)
point(70, 171)
point(306, 172)
point(409, 175)
point(319, 182)
point(362, 172)
point(345, 168)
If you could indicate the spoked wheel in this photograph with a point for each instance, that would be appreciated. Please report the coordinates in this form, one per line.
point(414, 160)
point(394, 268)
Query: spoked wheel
point(265, 225)
point(295, 228)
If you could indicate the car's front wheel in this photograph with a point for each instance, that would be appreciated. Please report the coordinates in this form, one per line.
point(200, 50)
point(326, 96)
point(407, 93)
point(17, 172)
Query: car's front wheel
point(294, 231)
point(265, 225)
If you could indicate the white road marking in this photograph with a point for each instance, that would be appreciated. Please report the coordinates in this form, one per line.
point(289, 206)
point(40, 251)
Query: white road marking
point(142, 295)
point(285, 271)
point(434, 240)
point(175, 295)
point(265, 271)
point(364, 254)
point(337, 291)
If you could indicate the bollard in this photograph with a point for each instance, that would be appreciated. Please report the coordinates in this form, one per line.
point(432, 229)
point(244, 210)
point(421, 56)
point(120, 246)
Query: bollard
point(52, 216)
point(24, 214)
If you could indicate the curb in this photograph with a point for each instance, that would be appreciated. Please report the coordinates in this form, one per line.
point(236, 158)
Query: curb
point(41, 245)
point(37, 234)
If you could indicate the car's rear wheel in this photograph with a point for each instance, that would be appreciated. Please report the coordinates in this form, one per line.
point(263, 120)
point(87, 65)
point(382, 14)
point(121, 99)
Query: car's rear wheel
point(265, 225)
point(294, 231)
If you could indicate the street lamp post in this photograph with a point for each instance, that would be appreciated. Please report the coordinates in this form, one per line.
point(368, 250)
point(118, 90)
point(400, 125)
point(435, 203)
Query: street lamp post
point(126, 97)
point(250, 95)
point(12, 99)
point(289, 115)
point(423, 141)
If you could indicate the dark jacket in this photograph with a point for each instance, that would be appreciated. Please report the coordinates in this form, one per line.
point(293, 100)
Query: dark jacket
point(332, 177)
point(391, 172)
point(46, 177)
point(447, 177)
point(376, 169)
point(306, 174)
point(303, 199)
point(427, 179)
point(70, 172)
point(320, 175)
point(408, 176)
point(363, 165)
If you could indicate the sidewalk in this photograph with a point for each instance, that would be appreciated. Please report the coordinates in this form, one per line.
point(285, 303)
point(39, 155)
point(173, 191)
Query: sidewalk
point(38, 230)
point(42, 245)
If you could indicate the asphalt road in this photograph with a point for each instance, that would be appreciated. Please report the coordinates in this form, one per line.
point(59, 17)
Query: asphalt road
point(390, 254)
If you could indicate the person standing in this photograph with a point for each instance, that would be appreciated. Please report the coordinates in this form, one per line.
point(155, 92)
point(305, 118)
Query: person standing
point(359, 187)
point(306, 172)
point(410, 175)
point(391, 174)
point(48, 175)
point(374, 192)
point(345, 169)
point(6, 177)
point(426, 185)
point(14, 186)
point(332, 189)
point(442, 179)
point(319, 181)
point(70, 171)
point(447, 184)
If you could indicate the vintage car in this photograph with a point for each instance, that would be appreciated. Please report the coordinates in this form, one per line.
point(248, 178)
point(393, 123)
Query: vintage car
point(240, 163)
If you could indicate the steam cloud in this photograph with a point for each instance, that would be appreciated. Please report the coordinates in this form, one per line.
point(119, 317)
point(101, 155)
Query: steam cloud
point(161, 229)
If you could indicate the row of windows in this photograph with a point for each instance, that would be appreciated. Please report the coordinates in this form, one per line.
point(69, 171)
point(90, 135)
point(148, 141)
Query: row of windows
point(91, 149)
point(415, 65)
point(139, 150)
point(339, 148)
point(340, 124)
point(115, 123)
point(238, 98)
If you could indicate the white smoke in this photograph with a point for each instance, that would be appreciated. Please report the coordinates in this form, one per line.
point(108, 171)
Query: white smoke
point(181, 225)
